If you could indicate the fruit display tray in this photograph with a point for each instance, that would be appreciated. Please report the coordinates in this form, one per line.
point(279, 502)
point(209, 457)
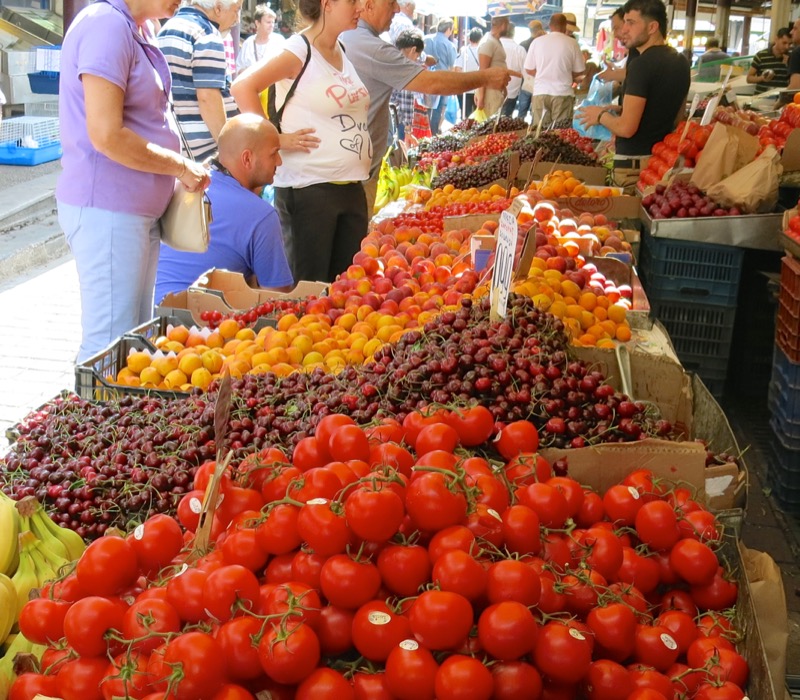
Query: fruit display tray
point(762, 231)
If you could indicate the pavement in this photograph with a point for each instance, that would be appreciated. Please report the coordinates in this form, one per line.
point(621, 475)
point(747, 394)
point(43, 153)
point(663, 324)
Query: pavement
point(40, 324)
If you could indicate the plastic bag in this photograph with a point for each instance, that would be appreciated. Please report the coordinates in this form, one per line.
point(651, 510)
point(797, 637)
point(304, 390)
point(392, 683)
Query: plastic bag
point(451, 112)
point(478, 115)
point(600, 94)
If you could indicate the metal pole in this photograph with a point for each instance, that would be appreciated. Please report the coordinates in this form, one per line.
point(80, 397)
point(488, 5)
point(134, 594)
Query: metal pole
point(746, 35)
point(688, 32)
point(723, 23)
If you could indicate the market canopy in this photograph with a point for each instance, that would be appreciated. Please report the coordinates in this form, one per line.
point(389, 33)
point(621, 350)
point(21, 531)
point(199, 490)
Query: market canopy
point(452, 8)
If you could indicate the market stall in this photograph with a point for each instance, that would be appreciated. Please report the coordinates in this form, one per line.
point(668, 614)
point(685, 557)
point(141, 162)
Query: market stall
point(474, 466)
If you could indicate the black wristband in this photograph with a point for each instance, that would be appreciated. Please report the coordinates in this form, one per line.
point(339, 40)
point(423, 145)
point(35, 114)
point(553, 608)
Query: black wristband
point(600, 116)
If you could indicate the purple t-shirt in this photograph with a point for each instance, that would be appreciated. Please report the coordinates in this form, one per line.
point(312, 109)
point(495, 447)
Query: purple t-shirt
point(103, 41)
point(244, 236)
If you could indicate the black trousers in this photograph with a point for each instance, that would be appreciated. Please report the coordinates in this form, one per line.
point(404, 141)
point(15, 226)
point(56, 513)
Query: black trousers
point(322, 226)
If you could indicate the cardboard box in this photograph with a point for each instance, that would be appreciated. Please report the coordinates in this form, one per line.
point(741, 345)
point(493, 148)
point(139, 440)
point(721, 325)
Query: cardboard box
point(187, 307)
point(237, 294)
point(790, 159)
point(616, 208)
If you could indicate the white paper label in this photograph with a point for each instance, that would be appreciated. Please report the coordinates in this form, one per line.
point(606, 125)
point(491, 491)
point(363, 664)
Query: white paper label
point(634, 492)
point(195, 505)
point(317, 501)
point(503, 265)
point(376, 617)
point(669, 642)
point(138, 533)
point(575, 634)
point(409, 645)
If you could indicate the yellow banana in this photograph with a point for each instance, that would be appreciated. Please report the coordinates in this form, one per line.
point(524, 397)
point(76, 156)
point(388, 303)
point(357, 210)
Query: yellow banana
point(9, 531)
point(20, 645)
point(47, 566)
point(8, 606)
point(73, 543)
point(26, 578)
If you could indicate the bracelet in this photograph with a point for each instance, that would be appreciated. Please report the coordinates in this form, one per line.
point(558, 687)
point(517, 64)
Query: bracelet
point(600, 116)
point(183, 172)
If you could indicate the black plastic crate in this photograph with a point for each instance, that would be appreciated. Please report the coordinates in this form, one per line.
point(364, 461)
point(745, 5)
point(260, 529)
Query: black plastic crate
point(697, 330)
point(783, 475)
point(93, 378)
point(703, 273)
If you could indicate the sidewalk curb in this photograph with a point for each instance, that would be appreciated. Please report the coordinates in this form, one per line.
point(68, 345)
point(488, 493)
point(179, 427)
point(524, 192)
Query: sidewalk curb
point(35, 254)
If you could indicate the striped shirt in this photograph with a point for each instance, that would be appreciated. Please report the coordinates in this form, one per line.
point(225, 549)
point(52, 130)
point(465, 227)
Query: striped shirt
point(195, 52)
point(764, 60)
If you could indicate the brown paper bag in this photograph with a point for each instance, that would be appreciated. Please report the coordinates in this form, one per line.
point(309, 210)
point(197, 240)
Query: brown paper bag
point(753, 188)
point(727, 150)
point(769, 602)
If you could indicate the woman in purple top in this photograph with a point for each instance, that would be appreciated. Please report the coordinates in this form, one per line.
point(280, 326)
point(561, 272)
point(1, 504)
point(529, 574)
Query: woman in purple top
point(121, 158)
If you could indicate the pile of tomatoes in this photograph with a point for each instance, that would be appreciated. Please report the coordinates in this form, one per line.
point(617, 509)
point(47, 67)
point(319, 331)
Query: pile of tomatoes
point(395, 562)
point(666, 152)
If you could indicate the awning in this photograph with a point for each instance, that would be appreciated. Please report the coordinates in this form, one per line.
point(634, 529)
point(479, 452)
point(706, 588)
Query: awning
point(452, 8)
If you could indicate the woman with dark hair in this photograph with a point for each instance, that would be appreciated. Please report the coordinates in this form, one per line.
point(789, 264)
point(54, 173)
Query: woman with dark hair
point(318, 189)
point(411, 45)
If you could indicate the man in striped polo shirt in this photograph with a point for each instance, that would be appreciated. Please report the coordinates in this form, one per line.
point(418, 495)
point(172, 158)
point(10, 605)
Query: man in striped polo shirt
point(768, 69)
point(193, 45)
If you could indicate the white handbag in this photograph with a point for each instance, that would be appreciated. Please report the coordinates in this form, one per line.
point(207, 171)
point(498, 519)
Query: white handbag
point(185, 223)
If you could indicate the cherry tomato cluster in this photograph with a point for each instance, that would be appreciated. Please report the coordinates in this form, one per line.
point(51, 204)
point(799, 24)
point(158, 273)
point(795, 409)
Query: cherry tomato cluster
point(250, 316)
point(582, 143)
point(392, 563)
point(489, 146)
point(793, 229)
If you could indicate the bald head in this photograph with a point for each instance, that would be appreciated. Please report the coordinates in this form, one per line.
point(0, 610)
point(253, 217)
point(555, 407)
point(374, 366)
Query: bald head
point(558, 23)
point(244, 132)
point(248, 148)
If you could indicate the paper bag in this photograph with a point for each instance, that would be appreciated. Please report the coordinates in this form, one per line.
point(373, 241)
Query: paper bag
point(753, 188)
point(727, 150)
point(769, 602)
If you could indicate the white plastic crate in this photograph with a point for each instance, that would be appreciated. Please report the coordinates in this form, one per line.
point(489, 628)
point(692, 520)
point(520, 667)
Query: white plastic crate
point(18, 62)
point(30, 132)
point(47, 58)
point(41, 109)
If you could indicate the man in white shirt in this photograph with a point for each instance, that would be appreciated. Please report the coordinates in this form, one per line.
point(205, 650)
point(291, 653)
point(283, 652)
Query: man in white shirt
point(556, 62)
point(403, 20)
point(515, 60)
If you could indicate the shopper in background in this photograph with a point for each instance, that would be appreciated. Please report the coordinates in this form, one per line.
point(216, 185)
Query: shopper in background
point(245, 235)
point(403, 20)
point(655, 94)
point(515, 60)
point(440, 46)
point(617, 73)
point(264, 44)
point(411, 45)
point(793, 67)
point(491, 54)
point(119, 165)
point(468, 62)
point(318, 188)
point(526, 91)
point(383, 68)
point(769, 68)
point(193, 44)
point(556, 63)
point(572, 27)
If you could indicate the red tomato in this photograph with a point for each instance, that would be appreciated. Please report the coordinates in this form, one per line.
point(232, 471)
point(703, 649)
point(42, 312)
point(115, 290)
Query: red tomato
point(592, 510)
point(441, 620)
point(702, 648)
point(678, 599)
point(512, 579)
point(622, 503)
point(278, 533)
point(235, 638)
point(519, 436)
point(310, 453)
point(714, 624)
point(474, 425)
point(297, 600)
point(145, 617)
point(516, 680)
point(572, 492)
point(318, 482)
point(290, 655)
point(681, 628)
point(254, 468)
point(463, 678)
point(185, 594)
point(521, 530)
point(28, 685)
point(655, 647)
point(392, 455)
point(437, 436)
point(726, 691)
point(87, 622)
point(563, 653)
point(229, 589)
point(277, 481)
point(460, 573)
point(156, 542)
point(230, 691)
point(719, 594)
point(328, 426)
point(374, 513)
point(42, 620)
point(202, 663)
point(411, 672)
point(607, 680)
point(370, 686)
point(547, 501)
point(455, 537)
point(527, 468)
point(604, 551)
point(404, 568)
point(640, 571)
point(325, 684)
point(80, 679)
point(377, 630)
point(694, 562)
point(335, 630)
point(126, 677)
point(321, 525)
point(348, 583)
point(435, 501)
point(306, 567)
point(727, 665)
point(657, 525)
point(242, 547)
point(614, 629)
point(507, 630)
point(107, 567)
point(645, 677)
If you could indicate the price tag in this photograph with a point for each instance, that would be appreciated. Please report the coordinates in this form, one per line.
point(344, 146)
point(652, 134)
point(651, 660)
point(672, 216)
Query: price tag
point(708, 115)
point(503, 265)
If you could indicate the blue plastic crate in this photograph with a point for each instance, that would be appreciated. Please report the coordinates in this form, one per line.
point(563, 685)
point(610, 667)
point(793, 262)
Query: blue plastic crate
point(11, 154)
point(700, 332)
point(783, 475)
point(704, 273)
point(44, 82)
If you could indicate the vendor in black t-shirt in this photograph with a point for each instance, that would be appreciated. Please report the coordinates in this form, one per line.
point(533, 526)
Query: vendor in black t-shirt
point(794, 58)
point(656, 86)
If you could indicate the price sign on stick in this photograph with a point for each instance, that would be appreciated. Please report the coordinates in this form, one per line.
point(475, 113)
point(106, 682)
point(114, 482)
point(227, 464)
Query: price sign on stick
point(503, 265)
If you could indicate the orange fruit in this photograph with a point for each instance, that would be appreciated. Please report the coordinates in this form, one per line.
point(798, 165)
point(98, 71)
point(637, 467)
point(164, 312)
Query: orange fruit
point(623, 333)
point(179, 334)
point(189, 363)
point(137, 361)
point(228, 328)
point(174, 379)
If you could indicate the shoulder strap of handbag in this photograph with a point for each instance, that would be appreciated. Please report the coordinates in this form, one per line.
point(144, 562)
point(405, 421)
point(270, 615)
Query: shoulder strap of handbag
point(279, 113)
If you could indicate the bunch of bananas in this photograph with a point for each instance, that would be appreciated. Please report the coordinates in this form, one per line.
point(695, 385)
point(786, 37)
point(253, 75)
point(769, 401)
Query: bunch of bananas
point(32, 551)
point(392, 183)
point(16, 644)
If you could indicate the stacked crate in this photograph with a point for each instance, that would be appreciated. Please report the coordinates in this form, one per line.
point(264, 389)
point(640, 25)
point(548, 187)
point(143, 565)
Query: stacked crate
point(784, 390)
point(693, 288)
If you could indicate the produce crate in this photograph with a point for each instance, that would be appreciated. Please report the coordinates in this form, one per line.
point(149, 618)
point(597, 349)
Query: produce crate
point(92, 376)
point(29, 140)
point(783, 474)
point(49, 406)
point(783, 399)
point(701, 335)
point(697, 272)
point(42, 109)
point(44, 82)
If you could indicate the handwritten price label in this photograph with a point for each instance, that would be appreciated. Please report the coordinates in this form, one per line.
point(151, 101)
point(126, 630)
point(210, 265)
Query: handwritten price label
point(503, 265)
